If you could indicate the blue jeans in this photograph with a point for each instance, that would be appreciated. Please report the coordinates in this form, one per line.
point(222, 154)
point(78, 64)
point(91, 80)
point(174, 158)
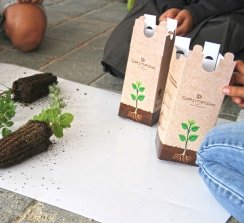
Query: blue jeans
point(221, 165)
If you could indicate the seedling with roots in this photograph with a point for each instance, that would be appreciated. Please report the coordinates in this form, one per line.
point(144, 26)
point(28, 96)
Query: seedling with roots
point(138, 87)
point(190, 126)
point(34, 137)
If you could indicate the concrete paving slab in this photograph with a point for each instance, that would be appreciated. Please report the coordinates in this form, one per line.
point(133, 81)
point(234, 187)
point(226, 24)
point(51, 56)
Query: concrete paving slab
point(108, 82)
point(113, 12)
point(229, 110)
point(12, 205)
point(74, 8)
point(44, 213)
point(72, 70)
point(31, 60)
point(77, 65)
point(51, 48)
point(75, 31)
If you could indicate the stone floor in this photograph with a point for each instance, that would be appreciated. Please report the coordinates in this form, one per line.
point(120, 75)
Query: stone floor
point(73, 47)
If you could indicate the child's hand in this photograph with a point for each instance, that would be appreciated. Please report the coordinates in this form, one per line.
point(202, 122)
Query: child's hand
point(170, 13)
point(236, 91)
point(31, 1)
point(184, 17)
point(185, 22)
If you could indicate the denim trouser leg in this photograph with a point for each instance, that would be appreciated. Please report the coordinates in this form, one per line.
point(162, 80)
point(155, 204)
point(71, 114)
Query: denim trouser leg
point(221, 165)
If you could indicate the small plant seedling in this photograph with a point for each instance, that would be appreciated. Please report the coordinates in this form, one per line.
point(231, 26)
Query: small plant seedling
point(33, 137)
point(139, 88)
point(7, 112)
point(189, 126)
point(53, 115)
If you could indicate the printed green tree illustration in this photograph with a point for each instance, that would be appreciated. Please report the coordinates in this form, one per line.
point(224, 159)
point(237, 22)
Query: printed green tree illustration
point(138, 96)
point(190, 128)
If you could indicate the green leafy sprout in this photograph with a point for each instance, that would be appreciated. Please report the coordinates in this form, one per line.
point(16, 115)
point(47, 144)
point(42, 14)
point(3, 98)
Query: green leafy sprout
point(7, 111)
point(190, 127)
point(138, 87)
point(53, 115)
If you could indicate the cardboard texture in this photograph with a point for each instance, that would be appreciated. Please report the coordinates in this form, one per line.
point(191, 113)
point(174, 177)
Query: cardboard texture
point(147, 68)
point(192, 100)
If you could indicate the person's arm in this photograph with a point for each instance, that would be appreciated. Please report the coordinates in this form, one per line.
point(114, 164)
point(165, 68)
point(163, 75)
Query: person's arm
point(236, 90)
point(203, 9)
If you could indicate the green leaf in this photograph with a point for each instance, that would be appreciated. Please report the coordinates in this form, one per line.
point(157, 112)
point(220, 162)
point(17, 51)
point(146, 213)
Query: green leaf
point(53, 115)
point(134, 86)
point(36, 118)
point(57, 131)
point(66, 119)
point(5, 132)
point(4, 119)
point(141, 97)
point(195, 128)
point(50, 115)
point(51, 89)
point(10, 114)
point(193, 138)
point(133, 97)
point(52, 96)
point(9, 123)
point(182, 138)
point(62, 104)
point(141, 89)
point(184, 126)
point(41, 117)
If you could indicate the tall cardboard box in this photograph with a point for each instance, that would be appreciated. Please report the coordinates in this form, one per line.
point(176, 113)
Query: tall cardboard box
point(147, 68)
point(191, 104)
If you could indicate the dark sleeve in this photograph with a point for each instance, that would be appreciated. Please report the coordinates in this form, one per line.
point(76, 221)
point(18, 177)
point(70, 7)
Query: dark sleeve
point(203, 9)
point(163, 5)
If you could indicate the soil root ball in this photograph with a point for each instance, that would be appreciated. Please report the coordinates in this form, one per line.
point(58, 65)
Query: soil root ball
point(27, 141)
point(29, 89)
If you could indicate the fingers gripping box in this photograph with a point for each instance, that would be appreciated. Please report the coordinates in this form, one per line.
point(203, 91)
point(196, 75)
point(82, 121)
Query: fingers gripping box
point(147, 68)
point(192, 100)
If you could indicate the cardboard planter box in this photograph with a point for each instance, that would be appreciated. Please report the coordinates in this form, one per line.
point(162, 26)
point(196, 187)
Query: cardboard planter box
point(192, 100)
point(147, 68)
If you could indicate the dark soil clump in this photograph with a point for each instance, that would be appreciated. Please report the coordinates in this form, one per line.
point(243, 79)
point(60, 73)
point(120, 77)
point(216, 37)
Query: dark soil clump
point(29, 89)
point(27, 141)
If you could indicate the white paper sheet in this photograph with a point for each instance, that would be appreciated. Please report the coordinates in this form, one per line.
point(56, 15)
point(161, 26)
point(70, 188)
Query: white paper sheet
point(106, 167)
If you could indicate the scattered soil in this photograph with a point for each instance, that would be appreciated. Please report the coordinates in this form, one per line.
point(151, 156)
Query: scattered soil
point(175, 154)
point(141, 116)
point(25, 142)
point(29, 89)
